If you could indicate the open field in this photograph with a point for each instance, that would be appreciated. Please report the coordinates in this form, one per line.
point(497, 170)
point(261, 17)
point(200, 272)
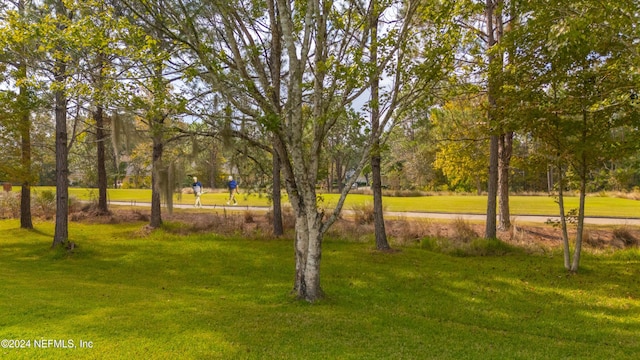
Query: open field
point(467, 204)
point(159, 295)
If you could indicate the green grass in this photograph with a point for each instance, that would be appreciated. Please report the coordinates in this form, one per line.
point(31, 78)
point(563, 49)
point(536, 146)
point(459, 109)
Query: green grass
point(469, 204)
point(134, 196)
point(164, 296)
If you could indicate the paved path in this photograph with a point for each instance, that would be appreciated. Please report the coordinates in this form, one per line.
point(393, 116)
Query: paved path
point(413, 214)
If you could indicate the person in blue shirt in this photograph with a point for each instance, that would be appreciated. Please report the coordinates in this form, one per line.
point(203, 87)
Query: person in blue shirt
point(197, 191)
point(233, 190)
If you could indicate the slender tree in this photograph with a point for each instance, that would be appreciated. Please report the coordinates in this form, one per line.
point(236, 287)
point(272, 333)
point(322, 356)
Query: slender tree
point(17, 39)
point(576, 70)
point(493, 31)
point(237, 60)
point(61, 235)
point(25, 136)
point(376, 157)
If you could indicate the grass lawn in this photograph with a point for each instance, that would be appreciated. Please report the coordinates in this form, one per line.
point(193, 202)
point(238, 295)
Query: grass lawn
point(467, 204)
point(163, 296)
point(520, 205)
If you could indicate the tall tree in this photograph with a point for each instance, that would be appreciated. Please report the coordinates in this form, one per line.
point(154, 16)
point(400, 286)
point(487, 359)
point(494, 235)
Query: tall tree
point(18, 41)
point(62, 19)
point(376, 156)
point(325, 71)
point(98, 117)
point(422, 39)
point(493, 32)
point(485, 23)
point(154, 102)
point(576, 70)
point(25, 136)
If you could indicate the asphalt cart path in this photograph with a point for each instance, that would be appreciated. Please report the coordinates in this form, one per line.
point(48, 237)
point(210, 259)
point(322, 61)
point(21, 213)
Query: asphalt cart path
point(409, 214)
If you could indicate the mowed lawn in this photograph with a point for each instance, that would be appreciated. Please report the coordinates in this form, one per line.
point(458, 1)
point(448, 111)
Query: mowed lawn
point(461, 204)
point(132, 295)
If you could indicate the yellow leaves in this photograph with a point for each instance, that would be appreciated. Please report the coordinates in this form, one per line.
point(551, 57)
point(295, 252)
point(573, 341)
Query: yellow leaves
point(151, 42)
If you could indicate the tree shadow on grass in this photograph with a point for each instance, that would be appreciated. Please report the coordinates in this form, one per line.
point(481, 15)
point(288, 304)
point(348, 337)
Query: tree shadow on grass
point(203, 295)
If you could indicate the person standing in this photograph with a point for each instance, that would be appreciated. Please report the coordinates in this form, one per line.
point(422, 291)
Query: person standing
point(233, 190)
point(197, 191)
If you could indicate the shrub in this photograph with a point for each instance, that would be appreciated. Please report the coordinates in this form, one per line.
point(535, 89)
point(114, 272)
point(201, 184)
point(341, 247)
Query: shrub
point(45, 203)
point(431, 244)
point(363, 213)
point(75, 204)
point(475, 247)
point(403, 193)
point(9, 205)
point(625, 236)
point(248, 217)
point(406, 232)
point(592, 240)
point(288, 218)
point(489, 247)
point(462, 231)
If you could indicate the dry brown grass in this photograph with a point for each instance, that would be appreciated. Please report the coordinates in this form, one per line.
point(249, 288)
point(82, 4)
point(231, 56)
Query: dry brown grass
point(626, 236)
point(358, 228)
point(363, 213)
point(9, 205)
point(463, 231)
point(43, 205)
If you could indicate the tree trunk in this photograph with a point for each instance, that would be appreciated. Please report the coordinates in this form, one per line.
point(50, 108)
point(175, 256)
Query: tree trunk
point(25, 206)
point(563, 220)
point(25, 134)
point(61, 233)
point(212, 166)
point(505, 146)
point(156, 189)
point(339, 174)
point(492, 189)
point(100, 140)
point(102, 167)
point(276, 68)
point(308, 254)
point(331, 177)
point(278, 228)
point(492, 91)
point(580, 228)
point(62, 171)
point(549, 179)
point(378, 216)
point(583, 192)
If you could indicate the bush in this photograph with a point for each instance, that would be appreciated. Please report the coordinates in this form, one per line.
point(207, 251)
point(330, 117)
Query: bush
point(431, 244)
point(363, 214)
point(288, 218)
point(9, 205)
point(489, 247)
point(625, 236)
point(475, 247)
point(404, 232)
point(248, 217)
point(463, 231)
point(403, 193)
point(75, 204)
point(45, 203)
